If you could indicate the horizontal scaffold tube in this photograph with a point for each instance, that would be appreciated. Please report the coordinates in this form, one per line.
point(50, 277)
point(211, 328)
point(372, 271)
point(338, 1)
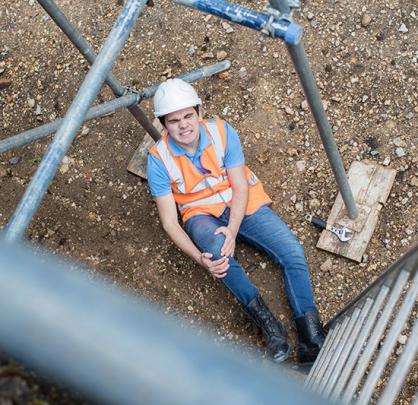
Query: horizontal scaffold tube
point(108, 107)
point(33, 134)
point(277, 27)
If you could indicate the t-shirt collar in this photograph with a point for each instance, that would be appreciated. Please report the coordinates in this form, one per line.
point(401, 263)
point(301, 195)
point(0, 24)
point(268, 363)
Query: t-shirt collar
point(204, 141)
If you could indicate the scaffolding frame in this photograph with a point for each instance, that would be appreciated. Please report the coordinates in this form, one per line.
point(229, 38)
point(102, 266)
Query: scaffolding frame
point(49, 287)
point(80, 110)
point(277, 22)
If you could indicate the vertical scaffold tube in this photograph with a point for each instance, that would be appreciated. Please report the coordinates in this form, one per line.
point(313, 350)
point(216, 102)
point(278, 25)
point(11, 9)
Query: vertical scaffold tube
point(73, 120)
point(303, 69)
point(307, 80)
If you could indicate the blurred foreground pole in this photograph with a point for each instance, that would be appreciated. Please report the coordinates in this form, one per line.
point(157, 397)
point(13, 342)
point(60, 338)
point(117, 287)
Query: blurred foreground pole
point(117, 349)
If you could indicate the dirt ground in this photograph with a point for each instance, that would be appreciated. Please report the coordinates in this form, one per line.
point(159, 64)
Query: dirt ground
point(364, 57)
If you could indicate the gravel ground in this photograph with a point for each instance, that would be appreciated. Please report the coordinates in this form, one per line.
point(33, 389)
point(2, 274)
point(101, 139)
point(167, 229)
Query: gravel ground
point(364, 57)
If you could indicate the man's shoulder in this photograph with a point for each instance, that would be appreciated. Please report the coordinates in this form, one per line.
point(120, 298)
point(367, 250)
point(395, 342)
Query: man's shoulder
point(158, 147)
point(217, 120)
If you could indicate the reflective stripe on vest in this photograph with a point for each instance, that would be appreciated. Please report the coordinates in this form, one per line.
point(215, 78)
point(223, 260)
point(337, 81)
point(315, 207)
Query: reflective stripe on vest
point(253, 179)
point(209, 181)
point(217, 141)
point(220, 197)
point(171, 166)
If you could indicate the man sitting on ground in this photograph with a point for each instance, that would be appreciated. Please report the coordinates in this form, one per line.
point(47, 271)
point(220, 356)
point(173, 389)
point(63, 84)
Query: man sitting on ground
point(198, 165)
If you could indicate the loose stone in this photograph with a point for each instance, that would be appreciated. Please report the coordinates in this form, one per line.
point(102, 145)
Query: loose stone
point(365, 20)
point(208, 55)
point(221, 55)
point(327, 265)
point(227, 27)
point(403, 28)
point(300, 166)
point(399, 142)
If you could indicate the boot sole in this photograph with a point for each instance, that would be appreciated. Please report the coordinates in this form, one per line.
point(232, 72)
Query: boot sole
point(282, 358)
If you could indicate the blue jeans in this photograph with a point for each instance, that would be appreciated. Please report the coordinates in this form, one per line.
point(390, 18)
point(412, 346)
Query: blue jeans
point(267, 232)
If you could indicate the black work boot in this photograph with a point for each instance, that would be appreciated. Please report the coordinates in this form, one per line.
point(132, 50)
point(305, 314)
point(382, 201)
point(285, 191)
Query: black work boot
point(311, 337)
point(273, 331)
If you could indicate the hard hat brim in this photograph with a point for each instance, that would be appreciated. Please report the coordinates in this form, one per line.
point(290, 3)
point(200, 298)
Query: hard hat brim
point(178, 107)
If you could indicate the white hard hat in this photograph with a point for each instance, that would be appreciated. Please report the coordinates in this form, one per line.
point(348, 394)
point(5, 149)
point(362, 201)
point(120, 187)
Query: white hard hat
point(173, 95)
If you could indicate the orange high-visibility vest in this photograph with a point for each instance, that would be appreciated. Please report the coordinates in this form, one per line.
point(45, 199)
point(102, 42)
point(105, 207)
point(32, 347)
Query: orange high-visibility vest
point(197, 193)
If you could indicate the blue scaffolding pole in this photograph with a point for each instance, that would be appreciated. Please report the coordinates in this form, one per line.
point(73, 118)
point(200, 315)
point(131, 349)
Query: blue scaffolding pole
point(73, 120)
point(31, 135)
point(277, 22)
point(88, 52)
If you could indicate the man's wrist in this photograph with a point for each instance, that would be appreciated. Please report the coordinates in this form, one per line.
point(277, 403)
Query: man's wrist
point(198, 259)
point(233, 229)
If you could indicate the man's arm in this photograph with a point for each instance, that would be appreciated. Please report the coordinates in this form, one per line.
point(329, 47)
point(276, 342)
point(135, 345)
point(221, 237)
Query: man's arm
point(168, 216)
point(238, 207)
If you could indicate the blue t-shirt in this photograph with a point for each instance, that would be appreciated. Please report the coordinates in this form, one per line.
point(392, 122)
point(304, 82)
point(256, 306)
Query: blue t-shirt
point(158, 177)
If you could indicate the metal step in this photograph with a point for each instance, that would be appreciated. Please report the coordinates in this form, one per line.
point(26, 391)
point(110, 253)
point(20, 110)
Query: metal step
point(395, 330)
point(348, 346)
point(401, 369)
point(339, 349)
point(321, 357)
point(359, 343)
point(330, 354)
point(374, 338)
point(318, 368)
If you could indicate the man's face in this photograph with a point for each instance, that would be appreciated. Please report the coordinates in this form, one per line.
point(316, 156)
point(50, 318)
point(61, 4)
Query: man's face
point(183, 127)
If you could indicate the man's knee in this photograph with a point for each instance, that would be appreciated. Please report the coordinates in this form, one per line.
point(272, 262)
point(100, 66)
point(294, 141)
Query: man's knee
point(204, 237)
point(213, 243)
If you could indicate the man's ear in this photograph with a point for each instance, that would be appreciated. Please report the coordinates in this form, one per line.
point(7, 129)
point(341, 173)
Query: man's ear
point(200, 113)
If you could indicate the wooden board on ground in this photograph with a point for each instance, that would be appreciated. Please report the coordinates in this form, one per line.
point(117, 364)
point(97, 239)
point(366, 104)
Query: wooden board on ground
point(371, 185)
point(5, 82)
point(138, 163)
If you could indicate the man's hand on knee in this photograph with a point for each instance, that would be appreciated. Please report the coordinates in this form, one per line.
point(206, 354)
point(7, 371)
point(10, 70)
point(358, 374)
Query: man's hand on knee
point(218, 268)
point(228, 248)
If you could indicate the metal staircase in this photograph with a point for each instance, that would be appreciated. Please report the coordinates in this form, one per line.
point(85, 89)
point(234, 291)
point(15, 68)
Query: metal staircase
point(357, 359)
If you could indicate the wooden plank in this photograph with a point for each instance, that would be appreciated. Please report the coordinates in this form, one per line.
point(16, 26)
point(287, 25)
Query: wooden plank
point(371, 185)
point(5, 82)
point(138, 162)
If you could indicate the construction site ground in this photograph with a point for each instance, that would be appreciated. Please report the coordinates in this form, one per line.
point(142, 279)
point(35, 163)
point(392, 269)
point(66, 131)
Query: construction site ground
point(364, 57)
